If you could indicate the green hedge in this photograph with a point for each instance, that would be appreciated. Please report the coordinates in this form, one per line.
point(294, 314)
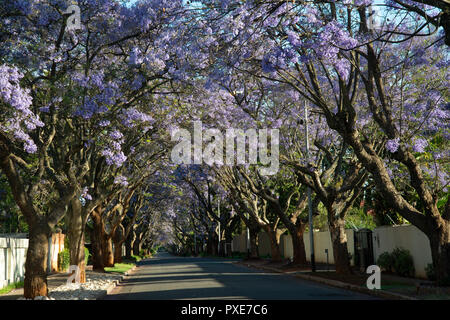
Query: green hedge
point(399, 261)
point(386, 261)
point(403, 262)
point(64, 258)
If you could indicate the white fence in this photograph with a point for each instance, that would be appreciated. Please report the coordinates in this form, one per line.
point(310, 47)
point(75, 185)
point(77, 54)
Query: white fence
point(12, 260)
point(385, 239)
point(322, 242)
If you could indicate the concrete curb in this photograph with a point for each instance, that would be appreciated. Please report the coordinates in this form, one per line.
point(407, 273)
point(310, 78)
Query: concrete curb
point(338, 284)
point(114, 284)
point(129, 272)
point(108, 290)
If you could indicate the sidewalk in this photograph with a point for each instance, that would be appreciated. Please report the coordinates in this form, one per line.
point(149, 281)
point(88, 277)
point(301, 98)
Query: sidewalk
point(53, 281)
point(392, 287)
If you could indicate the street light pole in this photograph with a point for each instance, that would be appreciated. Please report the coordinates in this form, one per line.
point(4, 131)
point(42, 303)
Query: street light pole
point(195, 243)
point(311, 227)
point(218, 210)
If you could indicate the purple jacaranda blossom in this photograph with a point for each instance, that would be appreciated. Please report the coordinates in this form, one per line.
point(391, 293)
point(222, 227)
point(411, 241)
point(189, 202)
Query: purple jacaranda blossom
point(18, 101)
point(121, 180)
point(393, 144)
point(85, 194)
point(420, 145)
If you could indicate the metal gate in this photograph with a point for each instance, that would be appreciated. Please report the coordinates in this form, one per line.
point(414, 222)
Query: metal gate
point(364, 256)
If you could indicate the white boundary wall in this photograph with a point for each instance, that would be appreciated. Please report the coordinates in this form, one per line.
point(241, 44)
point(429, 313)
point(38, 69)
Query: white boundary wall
point(13, 253)
point(322, 241)
point(387, 238)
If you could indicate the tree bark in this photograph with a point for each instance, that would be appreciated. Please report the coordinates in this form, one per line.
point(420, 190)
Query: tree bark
point(108, 253)
point(96, 240)
point(136, 245)
point(118, 242)
point(339, 242)
point(211, 244)
point(254, 251)
point(118, 253)
point(298, 244)
point(75, 234)
point(274, 236)
point(35, 283)
point(129, 244)
point(440, 252)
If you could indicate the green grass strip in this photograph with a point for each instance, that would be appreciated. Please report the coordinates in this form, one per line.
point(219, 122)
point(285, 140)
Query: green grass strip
point(120, 267)
point(11, 287)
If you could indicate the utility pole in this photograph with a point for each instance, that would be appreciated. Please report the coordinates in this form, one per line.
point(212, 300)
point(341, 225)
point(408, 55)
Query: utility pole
point(248, 242)
point(311, 227)
point(218, 210)
point(195, 242)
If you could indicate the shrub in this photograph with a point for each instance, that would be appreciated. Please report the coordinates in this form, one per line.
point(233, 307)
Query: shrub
point(403, 262)
point(429, 269)
point(143, 253)
point(63, 260)
point(86, 255)
point(133, 259)
point(386, 261)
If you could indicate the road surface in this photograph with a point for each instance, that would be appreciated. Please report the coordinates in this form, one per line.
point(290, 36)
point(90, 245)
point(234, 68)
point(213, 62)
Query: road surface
point(166, 277)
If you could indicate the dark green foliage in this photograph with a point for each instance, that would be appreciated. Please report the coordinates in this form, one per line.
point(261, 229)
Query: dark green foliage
point(63, 260)
point(399, 261)
point(403, 262)
point(133, 259)
point(431, 274)
point(385, 261)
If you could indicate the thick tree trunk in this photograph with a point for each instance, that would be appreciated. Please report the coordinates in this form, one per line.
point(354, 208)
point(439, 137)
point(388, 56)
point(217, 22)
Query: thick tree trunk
point(96, 241)
point(298, 245)
point(136, 246)
point(440, 252)
point(76, 238)
point(254, 251)
point(274, 236)
point(129, 245)
point(108, 253)
point(118, 242)
point(228, 240)
point(118, 252)
point(339, 242)
point(35, 283)
point(211, 244)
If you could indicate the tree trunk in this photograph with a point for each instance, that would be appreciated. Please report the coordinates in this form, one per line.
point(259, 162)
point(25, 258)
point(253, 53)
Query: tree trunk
point(440, 252)
point(298, 244)
point(129, 245)
point(108, 253)
point(274, 236)
point(96, 241)
point(35, 283)
point(75, 234)
point(211, 244)
point(339, 242)
point(118, 242)
point(254, 251)
point(136, 246)
point(228, 239)
point(118, 252)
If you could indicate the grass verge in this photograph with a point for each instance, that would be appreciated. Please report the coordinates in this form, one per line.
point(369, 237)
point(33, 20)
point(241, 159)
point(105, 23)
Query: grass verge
point(120, 267)
point(11, 287)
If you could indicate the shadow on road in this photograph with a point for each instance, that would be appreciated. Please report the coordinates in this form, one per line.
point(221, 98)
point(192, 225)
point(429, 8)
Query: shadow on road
point(167, 277)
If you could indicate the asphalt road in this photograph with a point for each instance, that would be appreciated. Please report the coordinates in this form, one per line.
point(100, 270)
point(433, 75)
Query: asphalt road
point(167, 277)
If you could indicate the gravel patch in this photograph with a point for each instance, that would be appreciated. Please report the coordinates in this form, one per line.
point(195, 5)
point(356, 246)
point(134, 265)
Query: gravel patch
point(95, 287)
